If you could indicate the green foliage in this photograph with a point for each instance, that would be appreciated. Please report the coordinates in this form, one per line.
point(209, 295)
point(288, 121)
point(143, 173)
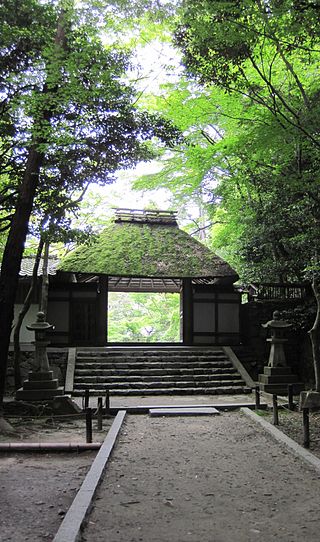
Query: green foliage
point(134, 11)
point(301, 317)
point(64, 94)
point(143, 317)
point(251, 146)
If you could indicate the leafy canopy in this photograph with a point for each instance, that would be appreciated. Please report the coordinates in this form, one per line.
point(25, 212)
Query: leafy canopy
point(69, 100)
point(251, 133)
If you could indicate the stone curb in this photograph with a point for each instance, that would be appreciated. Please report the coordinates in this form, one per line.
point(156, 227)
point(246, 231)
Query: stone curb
point(70, 528)
point(71, 365)
point(184, 411)
point(301, 452)
point(240, 368)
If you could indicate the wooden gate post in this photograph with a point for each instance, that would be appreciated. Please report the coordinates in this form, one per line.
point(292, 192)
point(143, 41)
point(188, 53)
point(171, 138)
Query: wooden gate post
point(102, 311)
point(187, 311)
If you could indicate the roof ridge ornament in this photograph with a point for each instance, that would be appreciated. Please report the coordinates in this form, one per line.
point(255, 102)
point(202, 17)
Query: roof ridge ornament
point(146, 216)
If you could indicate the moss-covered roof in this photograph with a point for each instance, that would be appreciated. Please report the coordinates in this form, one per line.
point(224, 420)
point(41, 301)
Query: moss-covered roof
point(146, 250)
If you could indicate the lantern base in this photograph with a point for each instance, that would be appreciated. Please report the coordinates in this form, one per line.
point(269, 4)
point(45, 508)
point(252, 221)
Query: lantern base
point(40, 386)
point(275, 380)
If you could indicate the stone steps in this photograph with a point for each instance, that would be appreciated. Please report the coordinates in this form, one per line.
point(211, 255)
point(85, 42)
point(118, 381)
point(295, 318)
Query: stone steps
point(152, 359)
point(138, 352)
point(153, 384)
point(164, 379)
point(153, 365)
point(156, 371)
point(95, 371)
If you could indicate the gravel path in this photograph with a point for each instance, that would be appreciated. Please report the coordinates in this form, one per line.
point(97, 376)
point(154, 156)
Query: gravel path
point(203, 479)
point(36, 490)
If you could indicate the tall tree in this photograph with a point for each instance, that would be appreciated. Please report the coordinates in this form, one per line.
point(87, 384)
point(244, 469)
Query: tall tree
point(67, 117)
point(267, 53)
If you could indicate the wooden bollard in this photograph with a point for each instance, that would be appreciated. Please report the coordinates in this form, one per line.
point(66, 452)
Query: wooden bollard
point(99, 414)
point(88, 425)
point(306, 428)
point(257, 395)
point(275, 410)
point(86, 399)
point(107, 402)
point(290, 397)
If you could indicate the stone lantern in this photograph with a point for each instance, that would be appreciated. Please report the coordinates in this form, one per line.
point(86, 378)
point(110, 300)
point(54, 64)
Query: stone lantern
point(277, 375)
point(40, 327)
point(40, 385)
point(278, 329)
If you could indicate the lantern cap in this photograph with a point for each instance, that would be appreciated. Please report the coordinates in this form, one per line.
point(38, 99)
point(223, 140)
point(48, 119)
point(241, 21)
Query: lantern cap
point(276, 322)
point(40, 324)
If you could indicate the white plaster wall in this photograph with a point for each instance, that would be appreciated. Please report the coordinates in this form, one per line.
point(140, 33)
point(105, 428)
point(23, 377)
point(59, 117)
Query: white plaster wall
point(228, 318)
point(58, 315)
point(31, 316)
point(203, 317)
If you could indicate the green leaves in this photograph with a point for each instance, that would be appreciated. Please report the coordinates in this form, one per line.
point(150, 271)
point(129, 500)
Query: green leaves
point(251, 135)
point(65, 95)
point(255, 50)
point(143, 317)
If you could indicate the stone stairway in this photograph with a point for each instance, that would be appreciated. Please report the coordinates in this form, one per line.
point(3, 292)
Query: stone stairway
point(156, 371)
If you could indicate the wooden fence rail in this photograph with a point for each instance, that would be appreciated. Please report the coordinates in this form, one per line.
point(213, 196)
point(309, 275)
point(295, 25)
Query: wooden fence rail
point(268, 290)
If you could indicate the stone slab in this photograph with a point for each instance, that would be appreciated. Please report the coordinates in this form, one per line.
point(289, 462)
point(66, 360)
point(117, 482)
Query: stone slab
point(178, 411)
point(40, 375)
point(281, 389)
point(41, 384)
point(38, 395)
point(63, 404)
point(277, 371)
point(277, 379)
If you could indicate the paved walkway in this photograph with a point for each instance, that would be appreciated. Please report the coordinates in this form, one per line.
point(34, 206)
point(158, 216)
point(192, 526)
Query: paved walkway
point(204, 479)
point(156, 400)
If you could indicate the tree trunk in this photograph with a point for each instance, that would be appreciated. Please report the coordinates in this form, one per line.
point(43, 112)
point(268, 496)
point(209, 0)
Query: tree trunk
point(43, 306)
point(12, 257)
point(22, 313)
point(315, 337)
point(13, 251)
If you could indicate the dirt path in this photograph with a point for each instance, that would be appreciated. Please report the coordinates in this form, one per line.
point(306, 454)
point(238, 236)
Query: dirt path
point(217, 479)
point(36, 489)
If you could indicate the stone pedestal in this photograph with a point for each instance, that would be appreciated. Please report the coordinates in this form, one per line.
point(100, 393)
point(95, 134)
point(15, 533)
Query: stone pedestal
point(276, 376)
point(275, 380)
point(310, 399)
point(40, 386)
point(277, 356)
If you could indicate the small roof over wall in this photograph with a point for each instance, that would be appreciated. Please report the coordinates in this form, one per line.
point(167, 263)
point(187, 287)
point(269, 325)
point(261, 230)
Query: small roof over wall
point(27, 264)
point(147, 243)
